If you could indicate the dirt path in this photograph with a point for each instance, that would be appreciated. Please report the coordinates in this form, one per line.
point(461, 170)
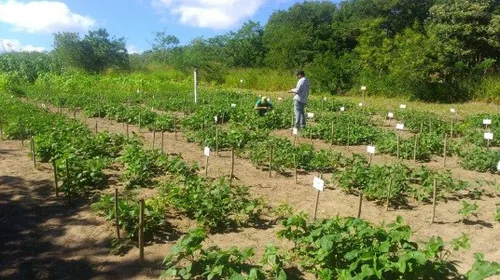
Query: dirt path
point(42, 237)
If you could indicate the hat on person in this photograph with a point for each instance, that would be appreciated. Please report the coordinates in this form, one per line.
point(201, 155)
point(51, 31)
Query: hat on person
point(300, 72)
point(264, 98)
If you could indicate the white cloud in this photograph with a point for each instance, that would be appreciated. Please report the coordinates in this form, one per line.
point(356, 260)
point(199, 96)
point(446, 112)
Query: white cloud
point(42, 17)
point(216, 14)
point(132, 49)
point(13, 45)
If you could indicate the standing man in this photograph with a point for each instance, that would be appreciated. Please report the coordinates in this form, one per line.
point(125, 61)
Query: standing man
point(301, 92)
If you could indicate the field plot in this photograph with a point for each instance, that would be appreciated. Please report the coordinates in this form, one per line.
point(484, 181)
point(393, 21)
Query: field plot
point(216, 216)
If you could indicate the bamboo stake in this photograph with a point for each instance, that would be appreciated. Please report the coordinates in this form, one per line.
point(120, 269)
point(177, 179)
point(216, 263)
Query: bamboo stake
point(206, 168)
point(348, 135)
point(397, 151)
point(95, 126)
point(317, 201)
point(331, 136)
point(127, 130)
point(296, 171)
point(68, 181)
point(175, 129)
point(216, 140)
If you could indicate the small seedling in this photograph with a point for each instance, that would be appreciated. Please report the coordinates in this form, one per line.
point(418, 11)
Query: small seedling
point(468, 209)
point(497, 214)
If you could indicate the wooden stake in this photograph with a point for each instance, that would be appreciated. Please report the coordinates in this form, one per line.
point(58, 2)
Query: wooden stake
point(175, 129)
point(206, 168)
point(445, 148)
point(95, 126)
point(270, 160)
point(348, 135)
point(141, 231)
point(68, 180)
point(216, 140)
point(296, 171)
point(397, 151)
point(127, 130)
point(331, 136)
point(360, 203)
point(415, 146)
point(162, 149)
point(139, 121)
point(232, 167)
point(316, 205)
point(33, 157)
point(434, 201)
point(154, 138)
point(56, 183)
point(117, 221)
point(389, 191)
point(1, 131)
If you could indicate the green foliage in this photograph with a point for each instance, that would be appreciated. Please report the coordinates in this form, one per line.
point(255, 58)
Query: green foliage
point(482, 269)
point(468, 209)
point(347, 248)
point(214, 205)
point(188, 259)
point(480, 159)
point(94, 53)
point(496, 215)
point(128, 216)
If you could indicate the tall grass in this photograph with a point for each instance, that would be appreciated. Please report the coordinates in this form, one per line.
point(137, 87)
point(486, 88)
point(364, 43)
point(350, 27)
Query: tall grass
point(261, 79)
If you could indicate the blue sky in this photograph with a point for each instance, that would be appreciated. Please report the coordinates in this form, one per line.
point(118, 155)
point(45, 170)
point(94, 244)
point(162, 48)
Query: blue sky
point(29, 25)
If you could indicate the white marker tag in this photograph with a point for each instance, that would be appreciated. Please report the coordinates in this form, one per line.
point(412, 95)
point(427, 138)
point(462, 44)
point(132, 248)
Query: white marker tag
point(295, 131)
point(138, 91)
point(487, 122)
point(360, 104)
point(310, 115)
point(400, 126)
point(390, 115)
point(498, 166)
point(233, 105)
point(363, 87)
point(488, 136)
point(453, 111)
point(342, 109)
point(402, 106)
point(241, 81)
point(206, 151)
point(280, 99)
point(370, 149)
point(216, 119)
point(324, 98)
point(318, 184)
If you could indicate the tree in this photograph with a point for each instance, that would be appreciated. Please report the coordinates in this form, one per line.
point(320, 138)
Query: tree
point(94, 53)
point(163, 45)
point(245, 47)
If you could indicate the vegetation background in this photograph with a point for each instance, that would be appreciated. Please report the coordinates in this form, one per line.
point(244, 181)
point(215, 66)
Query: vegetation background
point(430, 50)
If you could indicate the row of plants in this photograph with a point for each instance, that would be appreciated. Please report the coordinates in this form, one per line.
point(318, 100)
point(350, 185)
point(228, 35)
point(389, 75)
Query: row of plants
point(337, 248)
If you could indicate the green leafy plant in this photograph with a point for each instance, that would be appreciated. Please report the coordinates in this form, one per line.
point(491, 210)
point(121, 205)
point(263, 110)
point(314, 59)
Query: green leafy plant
point(468, 209)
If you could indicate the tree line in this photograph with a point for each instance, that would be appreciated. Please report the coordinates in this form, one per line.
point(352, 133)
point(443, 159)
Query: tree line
point(437, 50)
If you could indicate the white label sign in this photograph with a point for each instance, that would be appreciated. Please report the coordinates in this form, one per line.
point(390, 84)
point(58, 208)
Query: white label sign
point(295, 131)
point(453, 111)
point(233, 105)
point(360, 104)
point(324, 98)
point(400, 126)
point(241, 81)
point(487, 122)
point(488, 136)
point(402, 106)
point(206, 151)
point(390, 115)
point(279, 98)
point(342, 109)
point(216, 119)
point(318, 184)
point(310, 115)
point(363, 87)
point(370, 149)
point(498, 166)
